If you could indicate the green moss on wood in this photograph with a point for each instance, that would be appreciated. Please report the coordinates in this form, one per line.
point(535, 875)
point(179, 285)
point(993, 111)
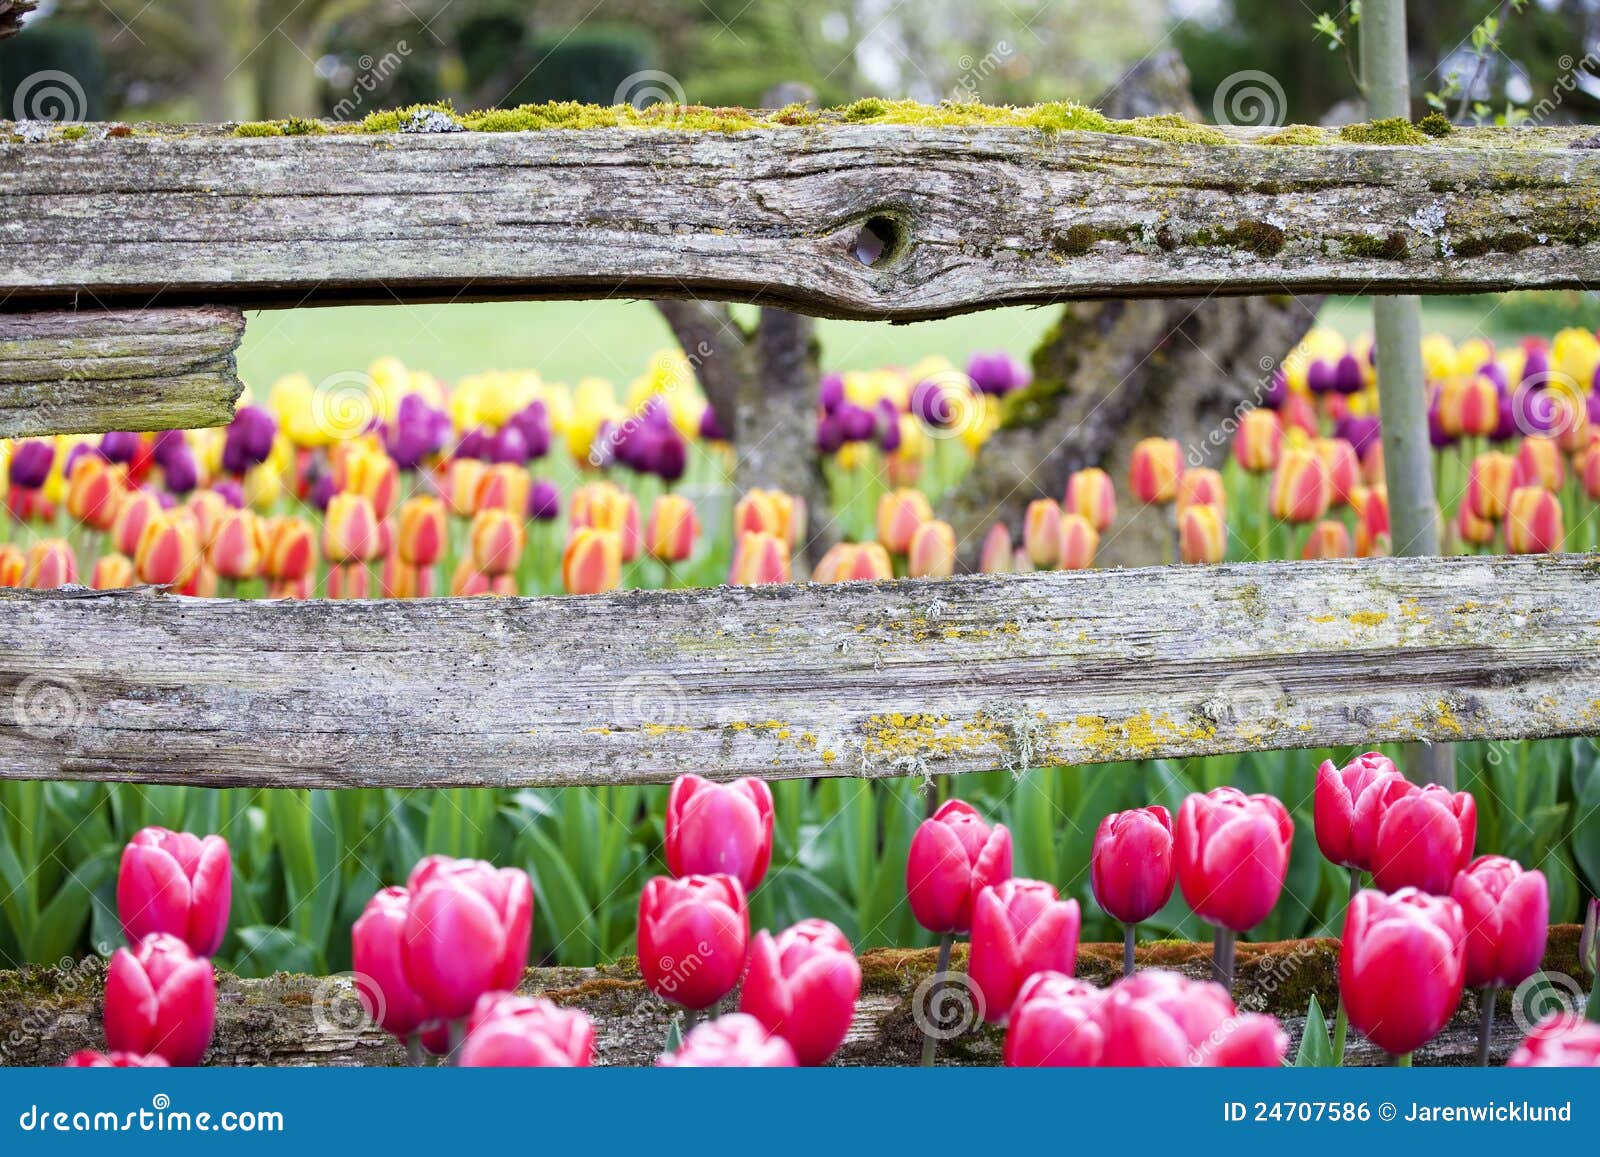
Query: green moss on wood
point(1436, 125)
point(1393, 131)
point(259, 129)
point(1513, 242)
point(1297, 136)
point(1393, 247)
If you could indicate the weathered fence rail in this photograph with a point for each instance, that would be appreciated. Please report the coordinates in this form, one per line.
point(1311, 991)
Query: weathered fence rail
point(864, 679)
point(961, 217)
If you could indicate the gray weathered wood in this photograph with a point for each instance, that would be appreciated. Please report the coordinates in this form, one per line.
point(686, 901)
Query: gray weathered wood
point(50, 1013)
point(65, 372)
point(866, 679)
point(979, 216)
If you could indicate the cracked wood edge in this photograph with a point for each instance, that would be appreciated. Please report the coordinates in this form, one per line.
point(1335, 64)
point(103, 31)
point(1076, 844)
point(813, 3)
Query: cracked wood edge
point(900, 678)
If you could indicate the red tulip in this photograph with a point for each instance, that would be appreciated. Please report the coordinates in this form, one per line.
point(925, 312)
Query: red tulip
point(1161, 1019)
point(717, 828)
point(1350, 801)
point(1425, 837)
point(802, 985)
point(466, 932)
point(1402, 962)
point(692, 938)
point(177, 883)
point(1233, 853)
point(1055, 1023)
point(1506, 913)
point(954, 856)
point(89, 1059)
point(160, 998)
point(509, 1031)
point(735, 1041)
point(1019, 927)
point(1131, 865)
point(1562, 1040)
point(377, 943)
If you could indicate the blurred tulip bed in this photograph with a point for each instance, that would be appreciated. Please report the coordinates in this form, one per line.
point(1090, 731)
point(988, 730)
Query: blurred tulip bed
point(393, 484)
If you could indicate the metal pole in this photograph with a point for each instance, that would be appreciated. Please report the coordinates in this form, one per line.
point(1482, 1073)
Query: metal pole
point(1397, 326)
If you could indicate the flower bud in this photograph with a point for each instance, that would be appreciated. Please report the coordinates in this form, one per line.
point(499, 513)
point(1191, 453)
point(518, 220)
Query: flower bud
point(1533, 522)
point(112, 572)
point(1258, 440)
point(1041, 533)
point(759, 559)
point(1153, 470)
point(421, 531)
point(1328, 539)
point(1091, 494)
point(673, 529)
point(1489, 485)
point(995, 557)
point(238, 546)
point(498, 539)
point(853, 562)
point(932, 553)
point(169, 550)
point(693, 934)
point(1201, 486)
point(1202, 534)
point(591, 564)
point(900, 512)
point(1300, 490)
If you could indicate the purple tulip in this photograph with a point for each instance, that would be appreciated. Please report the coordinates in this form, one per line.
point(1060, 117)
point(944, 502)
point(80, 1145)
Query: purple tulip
point(248, 441)
point(672, 456)
point(929, 403)
point(1496, 374)
point(509, 446)
point(81, 450)
point(888, 427)
point(544, 500)
point(1437, 436)
point(232, 492)
point(830, 434)
point(1320, 377)
point(30, 464)
point(830, 394)
point(998, 373)
point(857, 423)
point(1347, 376)
point(1360, 432)
point(533, 421)
point(119, 446)
point(474, 444)
point(710, 428)
point(168, 444)
point(322, 490)
point(1277, 391)
point(1536, 364)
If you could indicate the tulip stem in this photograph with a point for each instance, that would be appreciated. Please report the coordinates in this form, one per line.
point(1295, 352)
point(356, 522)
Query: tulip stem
point(1127, 949)
point(414, 1050)
point(1341, 1021)
point(1591, 1010)
point(930, 1043)
point(1403, 1061)
point(458, 1034)
point(1485, 1023)
point(1222, 946)
point(691, 1017)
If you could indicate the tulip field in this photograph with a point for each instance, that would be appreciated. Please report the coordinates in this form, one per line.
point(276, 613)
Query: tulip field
point(745, 905)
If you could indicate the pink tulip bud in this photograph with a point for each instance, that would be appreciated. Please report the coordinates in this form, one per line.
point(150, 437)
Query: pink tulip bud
point(1131, 864)
point(1425, 837)
point(1232, 851)
point(1402, 963)
point(954, 856)
point(1563, 1040)
point(89, 1059)
point(1161, 1019)
point(714, 828)
point(160, 998)
point(466, 932)
point(1019, 927)
point(509, 1031)
point(1350, 800)
point(377, 942)
point(1506, 913)
point(735, 1041)
point(177, 883)
point(1055, 1023)
point(802, 985)
point(693, 934)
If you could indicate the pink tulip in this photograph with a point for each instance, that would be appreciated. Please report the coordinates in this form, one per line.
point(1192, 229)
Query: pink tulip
point(719, 828)
point(1161, 1019)
point(177, 883)
point(1055, 1023)
point(735, 1041)
point(1425, 837)
point(1563, 1040)
point(1506, 913)
point(1232, 851)
point(466, 932)
point(802, 985)
point(1019, 927)
point(954, 856)
point(160, 998)
point(693, 934)
point(89, 1059)
point(1402, 962)
point(1131, 864)
point(509, 1031)
point(377, 943)
point(1350, 801)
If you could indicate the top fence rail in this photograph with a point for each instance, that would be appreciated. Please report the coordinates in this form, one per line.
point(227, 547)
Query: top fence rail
point(835, 218)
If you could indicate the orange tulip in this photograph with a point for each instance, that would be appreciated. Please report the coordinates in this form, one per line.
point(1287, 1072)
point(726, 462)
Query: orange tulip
point(498, 539)
point(1539, 463)
point(288, 549)
point(1079, 542)
point(374, 475)
point(605, 506)
point(207, 508)
point(169, 550)
point(461, 486)
point(933, 550)
point(771, 512)
point(350, 530)
point(1371, 507)
point(136, 510)
point(51, 564)
point(1471, 528)
point(591, 564)
point(1591, 474)
point(1202, 534)
point(468, 582)
point(853, 562)
point(1041, 533)
point(1329, 539)
point(95, 490)
point(1342, 467)
point(900, 512)
point(201, 583)
point(673, 529)
point(422, 530)
point(759, 559)
point(1091, 494)
point(13, 565)
point(1297, 413)
point(1489, 486)
point(995, 557)
point(348, 580)
point(1258, 440)
point(238, 546)
point(112, 572)
point(1201, 486)
point(1154, 468)
point(505, 486)
point(1300, 490)
point(1533, 522)
point(1372, 472)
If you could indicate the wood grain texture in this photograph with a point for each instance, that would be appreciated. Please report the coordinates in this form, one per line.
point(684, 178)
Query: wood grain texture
point(978, 216)
point(902, 678)
point(48, 1014)
point(88, 371)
